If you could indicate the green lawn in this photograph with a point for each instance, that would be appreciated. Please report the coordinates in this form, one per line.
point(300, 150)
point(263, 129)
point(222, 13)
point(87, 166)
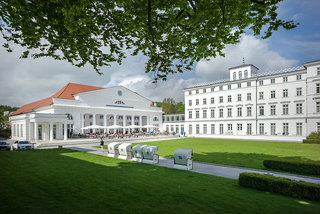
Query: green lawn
point(243, 153)
point(64, 181)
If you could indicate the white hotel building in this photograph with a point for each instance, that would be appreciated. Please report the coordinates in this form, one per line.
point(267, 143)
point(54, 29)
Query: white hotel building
point(282, 103)
point(76, 106)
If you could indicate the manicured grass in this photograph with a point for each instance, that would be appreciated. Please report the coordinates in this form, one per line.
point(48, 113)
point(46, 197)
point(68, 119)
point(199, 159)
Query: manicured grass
point(244, 153)
point(64, 181)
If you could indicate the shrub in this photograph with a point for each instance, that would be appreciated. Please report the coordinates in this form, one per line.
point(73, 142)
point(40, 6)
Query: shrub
point(313, 138)
point(284, 186)
point(293, 166)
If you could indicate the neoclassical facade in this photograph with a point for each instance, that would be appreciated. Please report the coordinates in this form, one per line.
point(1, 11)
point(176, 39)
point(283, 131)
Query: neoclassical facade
point(281, 103)
point(76, 106)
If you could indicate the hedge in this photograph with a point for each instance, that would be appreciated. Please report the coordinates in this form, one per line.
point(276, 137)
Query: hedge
point(293, 166)
point(283, 186)
point(313, 138)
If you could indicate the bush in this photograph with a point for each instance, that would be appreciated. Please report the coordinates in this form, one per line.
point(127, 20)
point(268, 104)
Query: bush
point(5, 133)
point(313, 138)
point(293, 166)
point(283, 186)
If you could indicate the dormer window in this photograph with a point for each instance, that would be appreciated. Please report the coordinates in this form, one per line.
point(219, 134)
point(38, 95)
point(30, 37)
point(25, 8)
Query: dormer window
point(240, 74)
point(119, 102)
point(234, 75)
point(245, 74)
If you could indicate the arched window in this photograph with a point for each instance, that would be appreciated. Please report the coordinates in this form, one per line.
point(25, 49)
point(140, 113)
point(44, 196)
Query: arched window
point(245, 74)
point(240, 74)
point(69, 116)
point(119, 102)
point(234, 75)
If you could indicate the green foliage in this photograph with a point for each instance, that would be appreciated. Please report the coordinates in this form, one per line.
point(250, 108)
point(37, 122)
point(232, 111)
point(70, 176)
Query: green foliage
point(296, 189)
point(5, 133)
point(4, 119)
point(313, 138)
point(170, 106)
point(293, 166)
point(171, 34)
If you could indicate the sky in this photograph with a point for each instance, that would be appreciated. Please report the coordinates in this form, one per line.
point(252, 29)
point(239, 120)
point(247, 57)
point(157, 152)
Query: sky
point(26, 80)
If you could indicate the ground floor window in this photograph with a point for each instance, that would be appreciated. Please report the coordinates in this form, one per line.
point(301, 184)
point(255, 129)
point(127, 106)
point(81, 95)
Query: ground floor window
point(204, 128)
point(318, 126)
point(171, 128)
point(182, 129)
point(221, 129)
point(212, 129)
point(273, 129)
point(239, 127)
point(167, 128)
point(177, 128)
point(229, 127)
point(197, 128)
point(190, 129)
point(299, 129)
point(285, 128)
point(54, 131)
point(40, 132)
point(249, 129)
point(261, 128)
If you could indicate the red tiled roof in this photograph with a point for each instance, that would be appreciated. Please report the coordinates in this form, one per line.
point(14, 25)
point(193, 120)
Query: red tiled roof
point(67, 92)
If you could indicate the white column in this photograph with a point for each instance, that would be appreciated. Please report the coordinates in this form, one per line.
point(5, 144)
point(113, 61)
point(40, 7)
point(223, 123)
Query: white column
point(94, 122)
point(114, 119)
point(51, 131)
point(140, 122)
point(104, 123)
point(82, 122)
point(65, 133)
point(124, 122)
point(35, 131)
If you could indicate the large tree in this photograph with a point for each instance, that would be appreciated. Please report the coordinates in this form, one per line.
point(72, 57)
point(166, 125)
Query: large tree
point(173, 35)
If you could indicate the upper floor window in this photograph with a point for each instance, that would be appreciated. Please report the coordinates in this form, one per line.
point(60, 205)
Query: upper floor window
point(273, 110)
point(204, 113)
point(212, 113)
point(212, 100)
point(299, 91)
point(69, 116)
point(229, 99)
point(273, 81)
point(248, 84)
point(240, 74)
point(245, 74)
point(299, 108)
point(221, 99)
point(285, 92)
point(318, 70)
point(261, 110)
point(190, 114)
point(220, 87)
point(197, 114)
point(229, 86)
point(204, 90)
point(248, 96)
point(318, 88)
point(299, 77)
point(239, 112)
point(260, 82)
point(285, 109)
point(229, 112)
point(197, 91)
point(190, 102)
point(197, 101)
point(239, 97)
point(204, 101)
point(239, 85)
point(318, 107)
point(261, 95)
point(249, 111)
point(285, 79)
point(273, 94)
point(234, 75)
point(190, 92)
point(221, 112)
point(212, 89)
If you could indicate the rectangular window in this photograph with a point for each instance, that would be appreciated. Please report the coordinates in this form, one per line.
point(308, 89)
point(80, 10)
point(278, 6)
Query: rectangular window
point(273, 110)
point(239, 127)
point(318, 88)
point(248, 96)
point(261, 110)
point(299, 108)
point(204, 113)
point(197, 129)
point(273, 81)
point(229, 127)
point(204, 90)
point(260, 82)
point(318, 126)
point(221, 99)
point(285, 93)
point(299, 91)
point(249, 129)
point(239, 85)
point(229, 112)
point(285, 128)
point(221, 112)
point(318, 107)
point(261, 128)
point(213, 129)
point(261, 95)
point(190, 129)
point(212, 113)
point(239, 112)
point(248, 84)
point(299, 77)
point(197, 91)
point(220, 87)
point(190, 102)
point(197, 101)
point(197, 114)
point(204, 101)
point(221, 129)
point(204, 128)
point(229, 99)
point(212, 100)
point(190, 92)
point(273, 94)
point(229, 86)
point(239, 97)
point(318, 70)
point(190, 114)
point(299, 129)
point(249, 111)
point(285, 109)
point(273, 129)
point(285, 79)
point(212, 89)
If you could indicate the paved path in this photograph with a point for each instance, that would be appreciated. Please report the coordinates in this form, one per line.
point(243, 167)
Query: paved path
point(209, 169)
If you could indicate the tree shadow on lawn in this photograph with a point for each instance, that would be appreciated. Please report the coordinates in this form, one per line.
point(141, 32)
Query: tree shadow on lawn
point(66, 181)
